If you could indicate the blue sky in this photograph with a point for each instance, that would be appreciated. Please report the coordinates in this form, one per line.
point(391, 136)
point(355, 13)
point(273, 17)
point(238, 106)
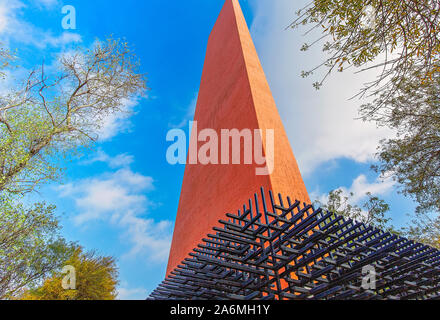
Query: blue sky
point(122, 198)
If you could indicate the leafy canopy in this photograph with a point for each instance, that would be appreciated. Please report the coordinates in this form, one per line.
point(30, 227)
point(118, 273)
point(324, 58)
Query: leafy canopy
point(96, 279)
point(413, 156)
point(53, 115)
point(422, 228)
point(395, 35)
point(47, 120)
point(5, 59)
point(372, 212)
point(402, 40)
point(30, 245)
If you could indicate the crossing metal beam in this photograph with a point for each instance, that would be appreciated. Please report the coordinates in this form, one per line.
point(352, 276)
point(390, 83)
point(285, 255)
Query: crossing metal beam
point(288, 250)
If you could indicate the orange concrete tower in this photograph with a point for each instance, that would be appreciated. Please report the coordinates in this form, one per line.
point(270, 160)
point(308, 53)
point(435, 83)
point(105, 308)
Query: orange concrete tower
point(234, 94)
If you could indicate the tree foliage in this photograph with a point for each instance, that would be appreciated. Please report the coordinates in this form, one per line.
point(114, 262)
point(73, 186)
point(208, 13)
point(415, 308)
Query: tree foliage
point(402, 38)
point(424, 229)
point(30, 245)
point(372, 212)
point(413, 157)
point(55, 114)
point(6, 57)
point(47, 119)
point(96, 279)
point(397, 36)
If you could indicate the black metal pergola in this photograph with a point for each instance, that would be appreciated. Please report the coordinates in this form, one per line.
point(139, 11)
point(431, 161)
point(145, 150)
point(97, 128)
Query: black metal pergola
point(288, 250)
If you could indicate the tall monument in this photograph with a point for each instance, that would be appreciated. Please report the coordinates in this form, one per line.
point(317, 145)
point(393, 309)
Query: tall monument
point(234, 94)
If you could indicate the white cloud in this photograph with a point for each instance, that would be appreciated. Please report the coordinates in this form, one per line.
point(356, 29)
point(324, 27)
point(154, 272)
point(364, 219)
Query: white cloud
point(109, 194)
point(131, 293)
point(320, 124)
point(13, 27)
point(8, 10)
point(360, 187)
point(14, 79)
point(119, 161)
point(47, 3)
point(149, 236)
point(62, 40)
point(118, 122)
point(119, 198)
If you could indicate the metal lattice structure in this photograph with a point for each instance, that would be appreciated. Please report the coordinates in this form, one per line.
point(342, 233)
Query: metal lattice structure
point(289, 250)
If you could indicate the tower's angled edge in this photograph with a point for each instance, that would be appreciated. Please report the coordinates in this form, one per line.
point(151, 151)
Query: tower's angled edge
point(234, 94)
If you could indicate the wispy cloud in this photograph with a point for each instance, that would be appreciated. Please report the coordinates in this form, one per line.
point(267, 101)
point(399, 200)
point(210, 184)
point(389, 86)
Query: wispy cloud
point(125, 293)
point(8, 12)
point(359, 188)
point(14, 27)
point(108, 195)
point(118, 161)
point(119, 198)
point(119, 122)
point(379, 187)
point(47, 3)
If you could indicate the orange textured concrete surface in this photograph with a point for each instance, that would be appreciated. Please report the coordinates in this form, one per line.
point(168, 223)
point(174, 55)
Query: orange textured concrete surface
point(234, 94)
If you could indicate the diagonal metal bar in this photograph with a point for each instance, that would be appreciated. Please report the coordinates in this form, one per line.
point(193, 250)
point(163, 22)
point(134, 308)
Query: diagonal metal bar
point(270, 250)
